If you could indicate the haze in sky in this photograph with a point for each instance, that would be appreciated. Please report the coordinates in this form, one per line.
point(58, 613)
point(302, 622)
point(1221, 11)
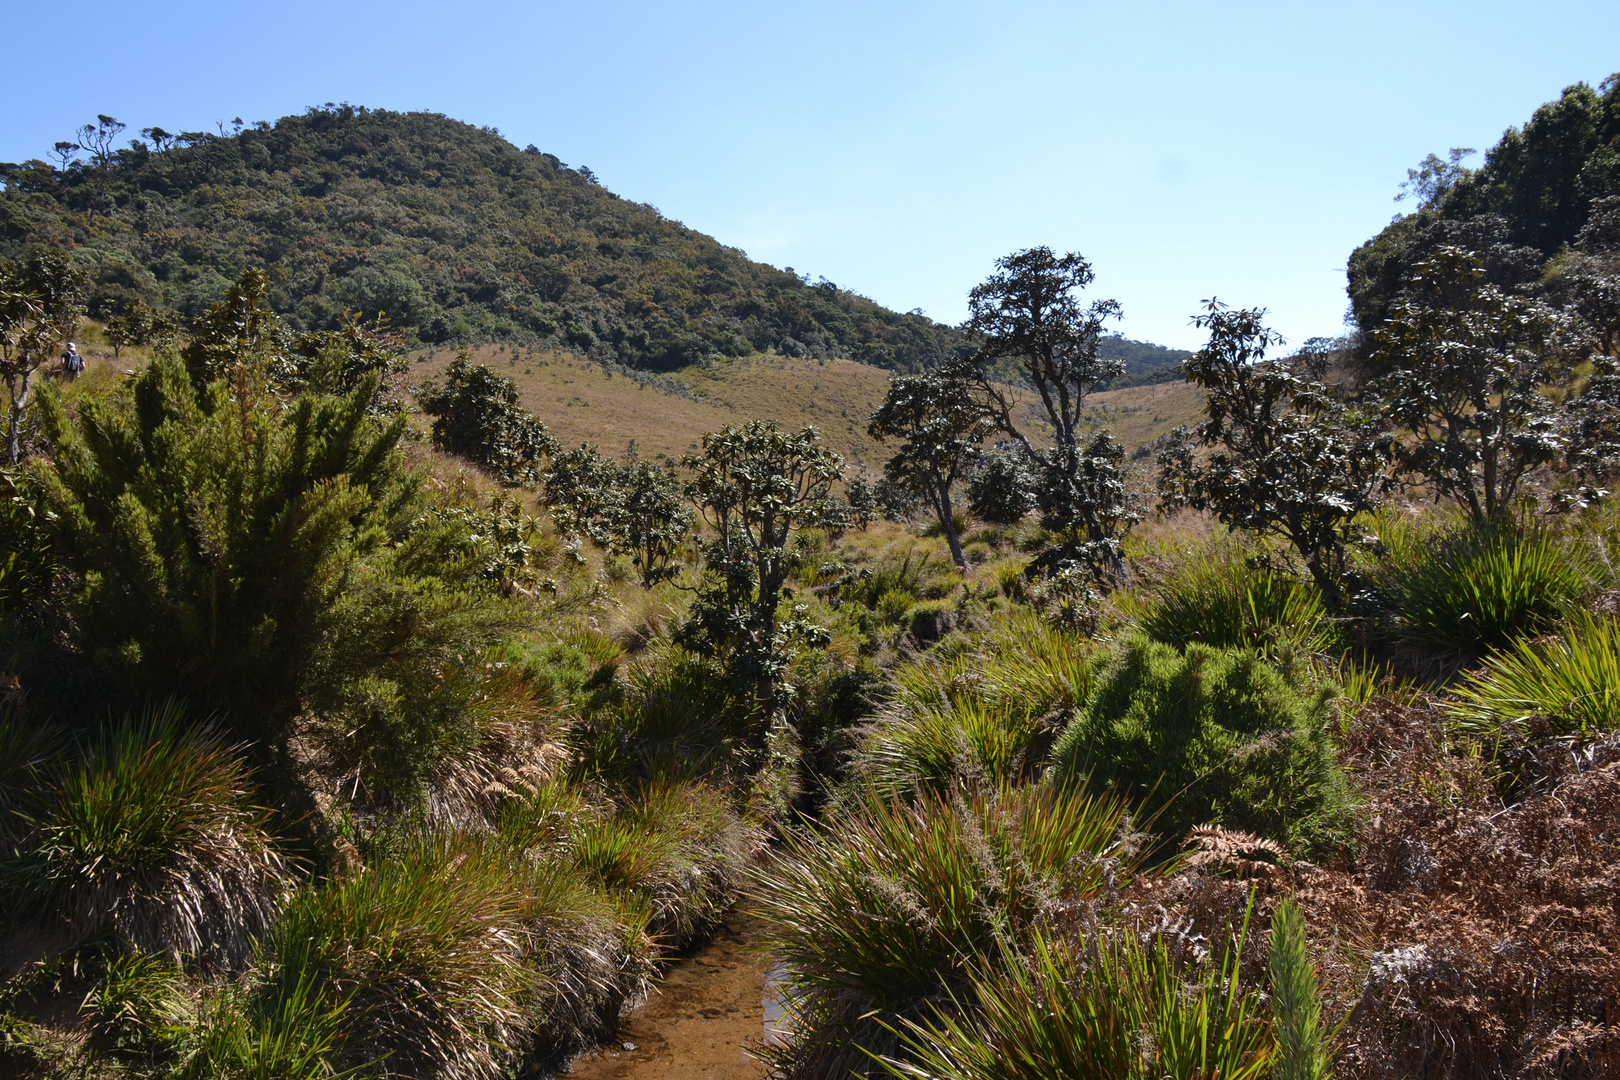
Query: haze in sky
point(1238, 150)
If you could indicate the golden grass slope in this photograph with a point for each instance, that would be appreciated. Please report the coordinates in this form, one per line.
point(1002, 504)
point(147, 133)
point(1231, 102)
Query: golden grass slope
point(582, 402)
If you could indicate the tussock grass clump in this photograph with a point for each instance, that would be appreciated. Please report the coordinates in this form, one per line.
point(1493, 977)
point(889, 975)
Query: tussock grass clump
point(1221, 597)
point(1112, 1008)
point(678, 718)
point(150, 833)
point(988, 717)
point(416, 962)
point(1567, 686)
point(29, 751)
point(1460, 595)
point(886, 914)
point(1211, 736)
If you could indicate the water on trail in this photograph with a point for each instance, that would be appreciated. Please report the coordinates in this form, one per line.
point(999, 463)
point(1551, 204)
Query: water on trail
point(698, 1022)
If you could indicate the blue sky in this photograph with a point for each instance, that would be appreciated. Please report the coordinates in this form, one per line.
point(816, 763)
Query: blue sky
point(1188, 149)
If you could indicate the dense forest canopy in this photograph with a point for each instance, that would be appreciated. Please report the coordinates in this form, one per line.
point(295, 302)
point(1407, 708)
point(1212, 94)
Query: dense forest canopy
point(448, 228)
point(1530, 197)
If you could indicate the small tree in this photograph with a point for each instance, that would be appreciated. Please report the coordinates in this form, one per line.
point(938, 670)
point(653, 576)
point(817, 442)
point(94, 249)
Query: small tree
point(1593, 431)
point(1467, 362)
point(636, 509)
point(476, 414)
point(940, 424)
point(1002, 486)
point(755, 486)
point(1284, 458)
point(1033, 325)
point(40, 305)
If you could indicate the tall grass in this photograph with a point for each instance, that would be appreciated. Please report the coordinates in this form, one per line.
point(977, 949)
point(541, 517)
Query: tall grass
point(886, 913)
point(151, 833)
point(1467, 592)
point(677, 719)
point(29, 753)
point(987, 717)
point(1568, 686)
point(424, 954)
point(1115, 1009)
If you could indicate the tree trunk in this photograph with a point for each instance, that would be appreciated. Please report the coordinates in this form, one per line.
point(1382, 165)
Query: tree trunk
point(947, 522)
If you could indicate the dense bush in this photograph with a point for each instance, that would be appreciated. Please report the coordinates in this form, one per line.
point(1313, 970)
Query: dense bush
point(149, 832)
point(1462, 594)
point(476, 414)
point(884, 916)
point(1001, 489)
point(1210, 736)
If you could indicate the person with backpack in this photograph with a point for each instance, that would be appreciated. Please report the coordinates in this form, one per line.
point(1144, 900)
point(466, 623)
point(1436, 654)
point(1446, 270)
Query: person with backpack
point(72, 363)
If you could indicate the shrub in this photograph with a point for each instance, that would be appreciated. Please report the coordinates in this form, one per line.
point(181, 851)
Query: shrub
point(1302, 1051)
point(1114, 1009)
point(1209, 735)
point(884, 915)
point(986, 717)
point(678, 718)
point(1001, 489)
point(1222, 598)
point(1478, 589)
point(1566, 686)
point(476, 414)
point(423, 951)
point(149, 833)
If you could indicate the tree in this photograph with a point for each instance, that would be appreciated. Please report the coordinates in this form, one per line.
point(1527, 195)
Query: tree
point(476, 414)
point(40, 305)
point(1285, 458)
point(940, 424)
point(1029, 317)
point(99, 137)
point(1433, 178)
point(239, 339)
point(1467, 361)
point(755, 486)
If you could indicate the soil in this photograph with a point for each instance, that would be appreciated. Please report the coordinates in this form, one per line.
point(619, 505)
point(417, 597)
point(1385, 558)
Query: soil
point(708, 1008)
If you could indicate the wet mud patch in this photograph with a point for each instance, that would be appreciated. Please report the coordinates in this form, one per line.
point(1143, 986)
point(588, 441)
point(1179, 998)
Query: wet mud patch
point(698, 1023)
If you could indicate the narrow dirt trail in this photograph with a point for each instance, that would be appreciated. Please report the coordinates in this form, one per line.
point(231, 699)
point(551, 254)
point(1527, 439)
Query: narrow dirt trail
point(696, 1024)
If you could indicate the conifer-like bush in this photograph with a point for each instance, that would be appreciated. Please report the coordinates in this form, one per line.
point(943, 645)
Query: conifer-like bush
point(1214, 736)
point(150, 832)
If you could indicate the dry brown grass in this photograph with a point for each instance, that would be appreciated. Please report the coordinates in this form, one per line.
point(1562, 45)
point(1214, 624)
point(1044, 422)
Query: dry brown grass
point(1468, 937)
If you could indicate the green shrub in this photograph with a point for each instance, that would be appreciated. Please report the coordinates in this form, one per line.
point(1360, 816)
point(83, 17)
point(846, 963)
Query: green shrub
point(1218, 598)
point(1302, 1051)
point(1567, 686)
point(476, 414)
point(1464, 594)
point(886, 914)
point(149, 833)
point(989, 716)
point(1210, 736)
point(421, 955)
point(1116, 1010)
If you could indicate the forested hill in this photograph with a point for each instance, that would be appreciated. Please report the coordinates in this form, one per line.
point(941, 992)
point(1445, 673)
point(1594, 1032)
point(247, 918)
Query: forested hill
point(1544, 194)
point(453, 231)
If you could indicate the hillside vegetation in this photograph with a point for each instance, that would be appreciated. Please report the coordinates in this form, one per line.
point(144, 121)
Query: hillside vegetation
point(382, 710)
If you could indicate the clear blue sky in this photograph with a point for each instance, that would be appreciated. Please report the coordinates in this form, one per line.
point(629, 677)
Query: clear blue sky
point(1188, 149)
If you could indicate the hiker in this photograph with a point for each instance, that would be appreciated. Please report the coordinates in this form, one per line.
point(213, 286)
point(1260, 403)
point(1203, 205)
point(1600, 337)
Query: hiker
point(72, 363)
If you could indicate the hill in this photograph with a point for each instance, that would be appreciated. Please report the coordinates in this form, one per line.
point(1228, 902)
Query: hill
point(450, 229)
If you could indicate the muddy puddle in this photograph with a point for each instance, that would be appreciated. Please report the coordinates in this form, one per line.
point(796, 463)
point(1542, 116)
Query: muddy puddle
point(700, 1020)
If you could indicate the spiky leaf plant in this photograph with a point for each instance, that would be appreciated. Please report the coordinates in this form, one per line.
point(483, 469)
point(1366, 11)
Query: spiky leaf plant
point(1109, 1008)
point(29, 750)
point(151, 833)
point(986, 717)
point(1568, 686)
point(1481, 588)
point(426, 947)
point(1216, 597)
point(887, 913)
